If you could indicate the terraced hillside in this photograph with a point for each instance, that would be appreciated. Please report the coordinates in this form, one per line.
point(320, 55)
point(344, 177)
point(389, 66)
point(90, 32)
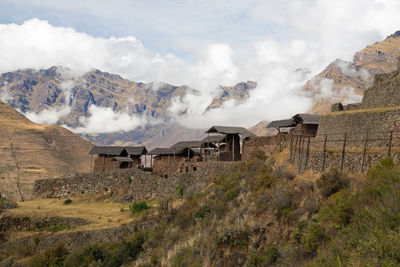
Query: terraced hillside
point(30, 151)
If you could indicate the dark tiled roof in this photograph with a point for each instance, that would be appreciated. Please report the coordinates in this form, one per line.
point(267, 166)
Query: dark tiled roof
point(230, 130)
point(169, 151)
point(213, 139)
point(281, 123)
point(122, 159)
point(187, 144)
point(136, 150)
point(107, 150)
point(117, 150)
point(306, 118)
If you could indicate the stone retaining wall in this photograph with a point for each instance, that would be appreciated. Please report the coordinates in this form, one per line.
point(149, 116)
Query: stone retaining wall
point(352, 160)
point(75, 239)
point(267, 144)
point(129, 185)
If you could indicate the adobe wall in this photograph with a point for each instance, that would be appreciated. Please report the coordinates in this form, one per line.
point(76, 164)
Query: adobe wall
point(173, 165)
point(267, 144)
point(130, 184)
point(107, 161)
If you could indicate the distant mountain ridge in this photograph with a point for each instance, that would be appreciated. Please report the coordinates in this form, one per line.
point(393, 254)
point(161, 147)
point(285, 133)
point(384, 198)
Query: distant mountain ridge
point(58, 87)
point(347, 80)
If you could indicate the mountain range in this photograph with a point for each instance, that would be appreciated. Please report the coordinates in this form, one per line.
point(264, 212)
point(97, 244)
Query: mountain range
point(64, 97)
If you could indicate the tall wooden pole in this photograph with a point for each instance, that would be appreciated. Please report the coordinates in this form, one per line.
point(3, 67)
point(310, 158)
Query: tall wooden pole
point(233, 147)
point(324, 152)
point(364, 151)
point(390, 144)
point(307, 153)
point(343, 152)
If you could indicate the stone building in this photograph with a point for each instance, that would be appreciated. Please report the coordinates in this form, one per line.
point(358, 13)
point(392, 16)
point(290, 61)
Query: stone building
point(232, 149)
point(169, 161)
point(115, 157)
point(306, 124)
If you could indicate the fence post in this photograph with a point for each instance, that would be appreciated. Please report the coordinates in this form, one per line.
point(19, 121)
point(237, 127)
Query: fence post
point(301, 149)
point(307, 153)
point(324, 153)
point(299, 154)
point(390, 144)
point(343, 152)
point(290, 146)
point(364, 151)
point(295, 148)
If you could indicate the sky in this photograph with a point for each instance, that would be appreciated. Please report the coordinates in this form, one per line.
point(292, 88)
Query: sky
point(203, 44)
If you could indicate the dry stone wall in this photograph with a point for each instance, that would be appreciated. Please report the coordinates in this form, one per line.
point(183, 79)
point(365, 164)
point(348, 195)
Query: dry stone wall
point(352, 160)
point(130, 185)
point(267, 144)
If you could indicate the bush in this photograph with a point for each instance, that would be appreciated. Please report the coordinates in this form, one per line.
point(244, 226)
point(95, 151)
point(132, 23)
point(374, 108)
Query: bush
point(271, 254)
point(51, 257)
point(186, 257)
point(283, 172)
point(331, 182)
point(138, 207)
point(179, 191)
point(234, 237)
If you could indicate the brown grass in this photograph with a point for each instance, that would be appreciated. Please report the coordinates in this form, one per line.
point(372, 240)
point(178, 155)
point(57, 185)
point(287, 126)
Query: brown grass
point(101, 213)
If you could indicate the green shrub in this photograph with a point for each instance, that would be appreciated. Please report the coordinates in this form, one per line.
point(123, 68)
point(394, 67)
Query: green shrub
point(234, 237)
point(138, 207)
point(50, 257)
point(283, 172)
point(331, 182)
point(258, 154)
point(179, 191)
point(271, 254)
point(202, 212)
point(186, 257)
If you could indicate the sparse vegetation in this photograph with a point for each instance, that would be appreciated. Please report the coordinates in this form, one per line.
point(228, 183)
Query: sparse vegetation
point(255, 217)
point(138, 207)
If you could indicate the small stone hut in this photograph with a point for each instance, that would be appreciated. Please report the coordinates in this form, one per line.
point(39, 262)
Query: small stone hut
point(278, 124)
point(114, 157)
point(232, 150)
point(169, 161)
point(306, 124)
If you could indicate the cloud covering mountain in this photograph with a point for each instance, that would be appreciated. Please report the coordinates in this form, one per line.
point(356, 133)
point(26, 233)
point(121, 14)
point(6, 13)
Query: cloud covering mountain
point(278, 44)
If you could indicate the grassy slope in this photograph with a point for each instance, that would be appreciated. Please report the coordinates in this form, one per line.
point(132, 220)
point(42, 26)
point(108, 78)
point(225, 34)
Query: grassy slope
point(30, 151)
point(261, 214)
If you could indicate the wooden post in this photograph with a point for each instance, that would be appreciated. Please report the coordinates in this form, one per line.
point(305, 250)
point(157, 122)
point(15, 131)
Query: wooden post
point(300, 155)
point(390, 144)
point(208, 146)
point(233, 147)
point(364, 151)
point(343, 152)
point(91, 162)
point(290, 146)
point(295, 148)
point(307, 153)
point(102, 165)
point(145, 161)
point(324, 152)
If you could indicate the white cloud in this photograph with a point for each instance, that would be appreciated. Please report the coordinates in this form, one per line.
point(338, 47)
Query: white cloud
point(48, 116)
point(279, 44)
point(105, 120)
point(4, 94)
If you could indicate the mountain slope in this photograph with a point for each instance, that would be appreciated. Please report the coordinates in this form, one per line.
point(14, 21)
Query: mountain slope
point(69, 97)
point(343, 81)
point(30, 151)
